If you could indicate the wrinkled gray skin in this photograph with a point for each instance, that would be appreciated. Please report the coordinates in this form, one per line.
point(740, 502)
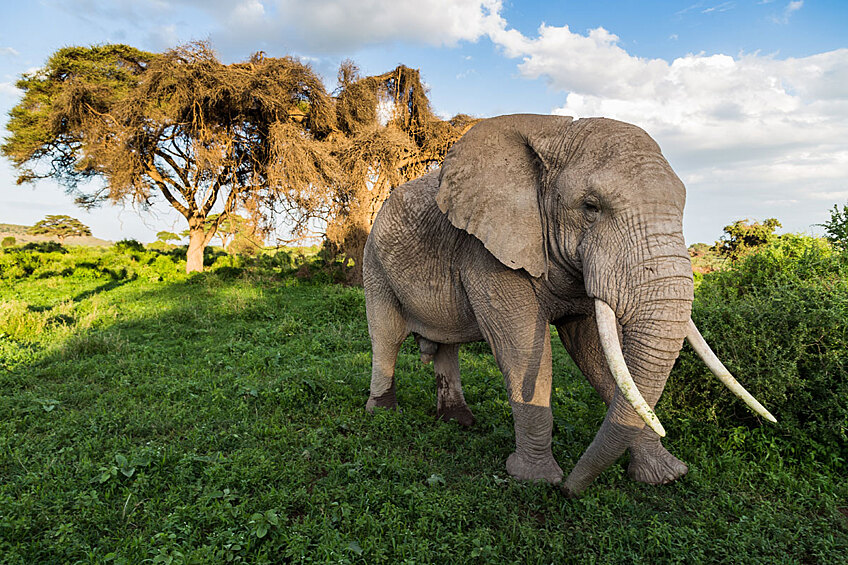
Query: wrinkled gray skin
point(529, 219)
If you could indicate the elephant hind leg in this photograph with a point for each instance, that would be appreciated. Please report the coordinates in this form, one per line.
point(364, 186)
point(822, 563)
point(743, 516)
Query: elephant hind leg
point(387, 329)
point(450, 401)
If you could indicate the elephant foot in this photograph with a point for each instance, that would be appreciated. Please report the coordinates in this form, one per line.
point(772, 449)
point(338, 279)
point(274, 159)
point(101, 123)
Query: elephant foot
point(386, 400)
point(545, 469)
point(653, 464)
point(459, 412)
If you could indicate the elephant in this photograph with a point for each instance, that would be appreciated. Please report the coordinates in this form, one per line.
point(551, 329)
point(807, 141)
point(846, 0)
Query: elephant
point(533, 221)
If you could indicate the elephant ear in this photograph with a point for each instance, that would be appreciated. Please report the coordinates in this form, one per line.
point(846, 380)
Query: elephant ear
point(490, 185)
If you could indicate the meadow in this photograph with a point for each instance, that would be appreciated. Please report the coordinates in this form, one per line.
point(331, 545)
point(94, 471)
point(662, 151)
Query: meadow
point(153, 417)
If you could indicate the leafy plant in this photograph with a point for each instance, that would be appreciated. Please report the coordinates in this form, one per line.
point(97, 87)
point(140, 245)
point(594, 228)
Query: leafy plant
point(744, 236)
point(779, 319)
point(836, 228)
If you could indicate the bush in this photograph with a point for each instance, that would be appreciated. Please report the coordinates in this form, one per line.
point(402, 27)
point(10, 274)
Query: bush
point(129, 245)
point(836, 229)
point(779, 320)
point(8, 241)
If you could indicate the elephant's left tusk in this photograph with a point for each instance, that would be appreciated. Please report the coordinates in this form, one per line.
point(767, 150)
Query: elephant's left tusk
point(608, 332)
point(696, 340)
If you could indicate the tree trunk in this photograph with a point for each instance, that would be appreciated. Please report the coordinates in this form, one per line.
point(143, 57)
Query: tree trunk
point(196, 244)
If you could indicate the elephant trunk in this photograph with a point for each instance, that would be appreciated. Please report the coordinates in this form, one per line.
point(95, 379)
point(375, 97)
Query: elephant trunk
point(652, 319)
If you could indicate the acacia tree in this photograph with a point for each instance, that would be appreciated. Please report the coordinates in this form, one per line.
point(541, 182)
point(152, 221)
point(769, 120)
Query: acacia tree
point(59, 226)
point(250, 136)
point(180, 125)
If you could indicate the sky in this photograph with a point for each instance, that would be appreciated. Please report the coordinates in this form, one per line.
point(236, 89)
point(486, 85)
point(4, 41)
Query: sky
point(747, 99)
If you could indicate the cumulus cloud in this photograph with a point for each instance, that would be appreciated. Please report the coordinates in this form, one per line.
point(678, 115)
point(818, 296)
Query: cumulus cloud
point(754, 127)
point(337, 25)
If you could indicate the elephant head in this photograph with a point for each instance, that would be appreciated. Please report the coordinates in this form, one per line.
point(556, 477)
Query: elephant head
point(589, 204)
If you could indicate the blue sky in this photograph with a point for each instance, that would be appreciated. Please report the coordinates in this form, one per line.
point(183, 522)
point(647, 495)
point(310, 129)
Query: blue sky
point(748, 99)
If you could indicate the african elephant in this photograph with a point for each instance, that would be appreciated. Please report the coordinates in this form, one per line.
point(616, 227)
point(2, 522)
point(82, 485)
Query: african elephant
point(532, 221)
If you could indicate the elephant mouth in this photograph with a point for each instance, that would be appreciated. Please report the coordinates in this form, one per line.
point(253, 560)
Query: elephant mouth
point(608, 333)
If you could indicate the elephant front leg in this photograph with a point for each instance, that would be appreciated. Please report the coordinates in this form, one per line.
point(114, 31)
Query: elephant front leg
point(650, 461)
point(526, 366)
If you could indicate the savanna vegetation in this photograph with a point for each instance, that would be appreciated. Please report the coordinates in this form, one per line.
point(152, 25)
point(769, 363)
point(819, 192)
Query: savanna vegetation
point(150, 415)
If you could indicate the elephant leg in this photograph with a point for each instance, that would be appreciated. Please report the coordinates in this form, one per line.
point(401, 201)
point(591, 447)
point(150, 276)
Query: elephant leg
point(387, 329)
point(650, 461)
point(523, 353)
point(450, 402)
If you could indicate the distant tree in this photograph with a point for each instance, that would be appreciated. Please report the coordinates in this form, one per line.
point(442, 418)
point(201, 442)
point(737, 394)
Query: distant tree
point(836, 229)
point(8, 241)
point(180, 125)
point(743, 236)
point(166, 236)
point(60, 227)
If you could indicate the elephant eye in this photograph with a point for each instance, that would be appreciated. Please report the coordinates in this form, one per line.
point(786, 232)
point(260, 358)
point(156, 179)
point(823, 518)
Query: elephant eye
point(591, 210)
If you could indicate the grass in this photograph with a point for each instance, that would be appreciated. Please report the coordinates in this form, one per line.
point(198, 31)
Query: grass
point(220, 419)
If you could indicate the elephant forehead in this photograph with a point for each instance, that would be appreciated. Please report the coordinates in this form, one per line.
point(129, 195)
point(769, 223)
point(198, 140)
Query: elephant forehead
point(623, 182)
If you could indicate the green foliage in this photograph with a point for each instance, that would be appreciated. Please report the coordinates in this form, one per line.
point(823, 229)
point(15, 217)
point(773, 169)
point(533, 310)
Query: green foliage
point(8, 241)
point(836, 228)
point(167, 236)
point(210, 419)
point(778, 319)
point(129, 245)
point(744, 236)
point(60, 226)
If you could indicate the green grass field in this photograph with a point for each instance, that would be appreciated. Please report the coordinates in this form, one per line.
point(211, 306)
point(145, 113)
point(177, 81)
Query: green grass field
point(220, 418)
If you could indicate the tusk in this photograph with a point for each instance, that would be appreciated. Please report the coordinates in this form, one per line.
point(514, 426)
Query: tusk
point(608, 332)
point(696, 340)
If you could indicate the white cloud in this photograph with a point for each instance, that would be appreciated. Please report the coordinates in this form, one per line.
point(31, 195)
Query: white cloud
point(723, 7)
point(332, 26)
point(9, 89)
point(790, 9)
point(9, 51)
point(752, 128)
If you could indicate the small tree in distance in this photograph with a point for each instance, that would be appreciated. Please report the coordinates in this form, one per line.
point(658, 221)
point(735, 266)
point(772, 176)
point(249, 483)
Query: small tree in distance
point(60, 227)
point(836, 229)
point(167, 236)
point(743, 236)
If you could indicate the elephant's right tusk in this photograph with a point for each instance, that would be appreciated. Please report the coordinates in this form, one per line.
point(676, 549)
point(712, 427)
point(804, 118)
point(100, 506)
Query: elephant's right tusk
point(608, 332)
point(696, 340)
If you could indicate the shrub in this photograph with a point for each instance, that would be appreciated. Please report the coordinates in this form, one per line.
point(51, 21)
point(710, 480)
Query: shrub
point(836, 228)
point(778, 319)
point(129, 245)
point(8, 241)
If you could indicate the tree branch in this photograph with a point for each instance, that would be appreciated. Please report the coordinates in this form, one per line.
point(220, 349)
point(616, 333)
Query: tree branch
point(154, 174)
